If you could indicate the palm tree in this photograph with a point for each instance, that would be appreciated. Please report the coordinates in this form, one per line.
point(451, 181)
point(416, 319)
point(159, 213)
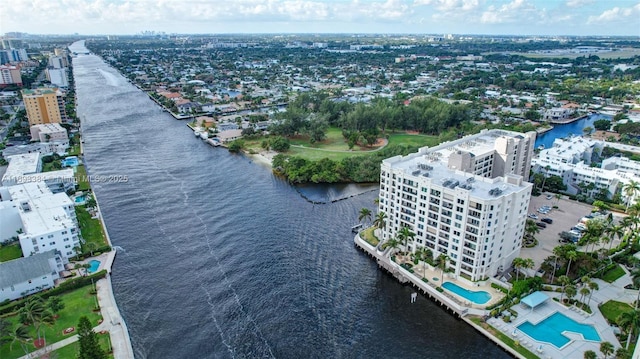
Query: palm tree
point(47, 319)
point(381, 220)
point(517, 264)
point(590, 354)
point(546, 173)
point(630, 190)
point(531, 228)
point(615, 231)
point(528, 264)
point(570, 291)
point(571, 256)
point(606, 348)
point(629, 321)
point(584, 291)
point(635, 279)
point(622, 353)
point(405, 235)
point(20, 335)
point(442, 264)
point(393, 243)
point(593, 286)
point(593, 232)
point(32, 310)
point(564, 280)
point(365, 213)
point(558, 198)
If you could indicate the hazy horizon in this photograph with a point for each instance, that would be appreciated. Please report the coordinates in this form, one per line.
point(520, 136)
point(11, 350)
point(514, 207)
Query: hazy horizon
point(478, 17)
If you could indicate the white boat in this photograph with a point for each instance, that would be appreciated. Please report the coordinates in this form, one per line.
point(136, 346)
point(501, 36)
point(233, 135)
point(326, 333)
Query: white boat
point(204, 135)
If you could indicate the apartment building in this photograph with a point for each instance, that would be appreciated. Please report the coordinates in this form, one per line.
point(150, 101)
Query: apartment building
point(49, 132)
point(24, 276)
point(44, 105)
point(47, 220)
point(466, 199)
point(10, 75)
point(571, 158)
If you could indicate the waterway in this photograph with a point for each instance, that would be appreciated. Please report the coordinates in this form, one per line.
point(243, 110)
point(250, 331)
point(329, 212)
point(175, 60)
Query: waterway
point(573, 128)
point(221, 259)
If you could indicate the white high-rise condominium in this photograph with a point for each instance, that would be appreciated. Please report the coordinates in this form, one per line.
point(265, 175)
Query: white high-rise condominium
point(466, 199)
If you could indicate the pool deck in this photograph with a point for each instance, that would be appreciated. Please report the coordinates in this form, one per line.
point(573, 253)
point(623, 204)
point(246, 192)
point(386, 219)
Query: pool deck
point(575, 348)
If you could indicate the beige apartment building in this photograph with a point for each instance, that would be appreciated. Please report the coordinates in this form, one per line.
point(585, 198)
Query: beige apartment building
point(43, 105)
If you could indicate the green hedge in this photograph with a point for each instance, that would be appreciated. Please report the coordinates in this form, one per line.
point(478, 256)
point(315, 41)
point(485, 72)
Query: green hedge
point(503, 290)
point(66, 286)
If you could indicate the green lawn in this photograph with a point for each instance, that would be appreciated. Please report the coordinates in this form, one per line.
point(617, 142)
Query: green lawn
point(612, 309)
point(612, 274)
point(9, 252)
point(504, 338)
point(90, 228)
point(369, 237)
point(51, 166)
point(415, 140)
point(81, 178)
point(76, 304)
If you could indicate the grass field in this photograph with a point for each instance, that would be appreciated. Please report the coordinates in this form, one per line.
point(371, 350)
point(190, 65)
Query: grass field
point(76, 304)
point(90, 228)
point(612, 274)
point(10, 252)
point(71, 350)
point(335, 147)
point(612, 309)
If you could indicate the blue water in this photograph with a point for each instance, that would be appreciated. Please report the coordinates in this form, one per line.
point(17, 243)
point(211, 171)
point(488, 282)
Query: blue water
point(94, 265)
point(479, 297)
point(70, 162)
point(231, 261)
point(574, 128)
point(80, 199)
point(550, 330)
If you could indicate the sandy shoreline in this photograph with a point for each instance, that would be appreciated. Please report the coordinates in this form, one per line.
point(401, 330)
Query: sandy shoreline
point(263, 157)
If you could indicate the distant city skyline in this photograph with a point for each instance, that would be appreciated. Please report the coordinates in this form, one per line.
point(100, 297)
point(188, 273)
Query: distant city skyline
point(483, 17)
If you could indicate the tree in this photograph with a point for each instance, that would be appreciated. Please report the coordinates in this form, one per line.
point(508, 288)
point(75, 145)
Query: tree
point(528, 264)
point(441, 263)
point(381, 220)
point(405, 235)
point(531, 228)
point(570, 291)
point(571, 256)
point(393, 243)
point(564, 281)
point(630, 190)
point(593, 286)
point(590, 354)
point(20, 334)
point(365, 213)
point(622, 353)
point(615, 231)
point(584, 291)
point(88, 340)
point(635, 279)
point(517, 265)
point(606, 348)
point(629, 321)
point(32, 310)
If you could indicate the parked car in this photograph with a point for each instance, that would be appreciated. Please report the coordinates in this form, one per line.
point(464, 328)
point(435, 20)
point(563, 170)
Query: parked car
point(547, 220)
point(549, 196)
point(533, 216)
point(541, 224)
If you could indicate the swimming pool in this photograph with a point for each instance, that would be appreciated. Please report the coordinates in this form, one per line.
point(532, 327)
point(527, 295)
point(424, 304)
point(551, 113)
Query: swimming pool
point(80, 200)
point(479, 297)
point(71, 161)
point(94, 265)
point(551, 328)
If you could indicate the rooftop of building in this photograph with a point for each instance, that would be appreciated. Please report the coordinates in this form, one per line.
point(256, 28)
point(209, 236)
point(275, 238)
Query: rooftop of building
point(50, 127)
point(432, 163)
point(569, 147)
point(26, 163)
point(39, 91)
point(23, 269)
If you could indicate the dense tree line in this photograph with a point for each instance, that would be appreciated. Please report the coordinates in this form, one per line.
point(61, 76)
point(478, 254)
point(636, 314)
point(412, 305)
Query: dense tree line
point(361, 169)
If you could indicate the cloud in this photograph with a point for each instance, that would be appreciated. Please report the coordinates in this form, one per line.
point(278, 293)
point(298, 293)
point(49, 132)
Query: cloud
point(515, 11)
point(578, 3)
point(617, 14)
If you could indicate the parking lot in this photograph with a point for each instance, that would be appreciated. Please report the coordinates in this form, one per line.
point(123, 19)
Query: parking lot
point(566, 216)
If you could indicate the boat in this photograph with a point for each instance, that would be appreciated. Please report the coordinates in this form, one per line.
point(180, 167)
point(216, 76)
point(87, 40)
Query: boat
point(541, 147)
point(204, 135)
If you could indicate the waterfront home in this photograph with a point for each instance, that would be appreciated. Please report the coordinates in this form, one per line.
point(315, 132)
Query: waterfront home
point(24, 276)
point(229, 135)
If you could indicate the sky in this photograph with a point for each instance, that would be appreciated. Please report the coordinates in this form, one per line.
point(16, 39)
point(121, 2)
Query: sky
point(492, 17)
